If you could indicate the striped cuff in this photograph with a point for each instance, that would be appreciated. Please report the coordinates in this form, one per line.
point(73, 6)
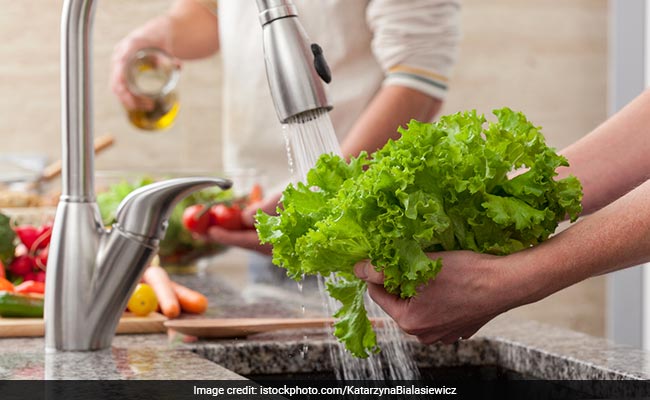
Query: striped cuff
point(427, 82)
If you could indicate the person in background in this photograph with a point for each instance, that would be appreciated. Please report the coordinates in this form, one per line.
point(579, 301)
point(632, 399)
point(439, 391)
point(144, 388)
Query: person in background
point(390, 62)
point(613, 166)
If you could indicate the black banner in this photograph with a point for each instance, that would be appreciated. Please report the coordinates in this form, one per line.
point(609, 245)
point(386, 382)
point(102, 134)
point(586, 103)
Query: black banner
point(323, 389)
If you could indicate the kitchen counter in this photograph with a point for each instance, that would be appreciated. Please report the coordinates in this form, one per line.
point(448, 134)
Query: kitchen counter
point(530, 348)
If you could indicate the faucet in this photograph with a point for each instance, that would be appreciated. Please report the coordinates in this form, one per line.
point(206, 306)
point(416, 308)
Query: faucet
point(92, 271)
point(295, 67)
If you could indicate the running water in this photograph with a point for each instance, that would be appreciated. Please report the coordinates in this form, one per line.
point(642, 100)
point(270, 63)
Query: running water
point(308, 136)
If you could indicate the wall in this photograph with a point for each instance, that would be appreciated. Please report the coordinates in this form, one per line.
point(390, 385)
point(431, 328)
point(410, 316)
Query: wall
point(548, 59)
point(30, 120)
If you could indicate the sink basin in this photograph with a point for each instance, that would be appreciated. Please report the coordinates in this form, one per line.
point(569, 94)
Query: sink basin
point(502, 360)
point(502, 355)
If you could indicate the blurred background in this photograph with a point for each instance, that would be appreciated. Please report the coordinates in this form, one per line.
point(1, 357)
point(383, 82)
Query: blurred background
point(547, 59)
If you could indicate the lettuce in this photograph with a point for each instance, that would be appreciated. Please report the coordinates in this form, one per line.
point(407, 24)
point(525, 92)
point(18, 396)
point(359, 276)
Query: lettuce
point(441, 186)
point(7, 240)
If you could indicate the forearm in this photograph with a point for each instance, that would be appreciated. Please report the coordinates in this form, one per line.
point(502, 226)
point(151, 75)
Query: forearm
point(393, 106)
point(613, 159)
point(187, 31)
point(615, 237)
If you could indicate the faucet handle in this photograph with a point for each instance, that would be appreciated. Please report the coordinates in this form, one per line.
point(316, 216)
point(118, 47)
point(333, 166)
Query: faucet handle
point(145, 211)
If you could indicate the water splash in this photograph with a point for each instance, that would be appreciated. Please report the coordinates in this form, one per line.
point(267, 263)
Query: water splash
point(307, 137)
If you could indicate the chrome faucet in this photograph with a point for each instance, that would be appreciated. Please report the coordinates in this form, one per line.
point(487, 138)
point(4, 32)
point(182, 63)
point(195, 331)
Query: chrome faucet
point(91, 271)
point(295, 67)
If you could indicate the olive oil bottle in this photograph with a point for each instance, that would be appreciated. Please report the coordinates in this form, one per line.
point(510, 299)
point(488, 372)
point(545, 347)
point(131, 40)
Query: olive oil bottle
point(152, 78)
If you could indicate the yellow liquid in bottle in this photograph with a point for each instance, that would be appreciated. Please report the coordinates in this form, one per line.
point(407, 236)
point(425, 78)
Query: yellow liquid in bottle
point(162, 115)
point(150, 83)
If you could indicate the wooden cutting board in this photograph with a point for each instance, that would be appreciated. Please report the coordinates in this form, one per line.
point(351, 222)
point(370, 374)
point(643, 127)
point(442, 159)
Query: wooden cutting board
point(35, 327)
point(241, 327)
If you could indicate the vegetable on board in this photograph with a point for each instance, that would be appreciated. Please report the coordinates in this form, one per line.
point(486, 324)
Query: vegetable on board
point(14, 305)
point(158, 279)
point(190, 300)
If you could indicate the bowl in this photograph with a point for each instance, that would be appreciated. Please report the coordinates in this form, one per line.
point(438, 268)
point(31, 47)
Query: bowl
point(179, 250)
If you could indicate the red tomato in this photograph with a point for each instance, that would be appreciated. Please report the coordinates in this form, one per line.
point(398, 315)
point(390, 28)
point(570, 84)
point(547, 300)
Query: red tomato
point(226, 217)
point(22, 265)
point(195, 219)
point(3, 273)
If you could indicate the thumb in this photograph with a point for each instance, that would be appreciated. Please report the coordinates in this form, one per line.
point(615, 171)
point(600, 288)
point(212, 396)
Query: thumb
point(367, 272)
point(268, 205)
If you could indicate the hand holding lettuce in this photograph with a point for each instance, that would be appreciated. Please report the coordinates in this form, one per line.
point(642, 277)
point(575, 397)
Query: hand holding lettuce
point(441, 186)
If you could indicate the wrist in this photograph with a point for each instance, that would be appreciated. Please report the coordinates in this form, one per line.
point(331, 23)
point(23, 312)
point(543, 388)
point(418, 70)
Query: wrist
point(524, 285)
point(540, 271)
point(158, 32)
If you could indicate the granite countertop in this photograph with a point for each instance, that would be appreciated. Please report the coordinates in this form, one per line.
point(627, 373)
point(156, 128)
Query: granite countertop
point(530, 348)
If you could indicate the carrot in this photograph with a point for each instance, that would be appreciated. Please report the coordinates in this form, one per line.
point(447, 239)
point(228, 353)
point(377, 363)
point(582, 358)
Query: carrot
point(191, 300)
point(5, 285)
point(255, 194)
point(158, 279)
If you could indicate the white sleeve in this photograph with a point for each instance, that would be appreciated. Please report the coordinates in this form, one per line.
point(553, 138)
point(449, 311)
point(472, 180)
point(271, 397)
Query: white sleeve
point(210, 5)
point(416, 41)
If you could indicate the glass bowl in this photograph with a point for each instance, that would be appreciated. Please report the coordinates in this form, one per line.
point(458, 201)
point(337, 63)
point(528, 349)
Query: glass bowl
point(179, 250)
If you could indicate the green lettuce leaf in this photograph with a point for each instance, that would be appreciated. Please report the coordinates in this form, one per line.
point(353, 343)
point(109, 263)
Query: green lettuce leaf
point(7, 240)
point(441, 186)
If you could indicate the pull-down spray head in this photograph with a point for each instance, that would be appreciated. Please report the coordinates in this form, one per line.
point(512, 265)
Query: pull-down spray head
point(295, 67)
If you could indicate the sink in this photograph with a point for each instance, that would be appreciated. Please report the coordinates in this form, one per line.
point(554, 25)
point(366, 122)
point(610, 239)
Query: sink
point(496, 362)
point(502, 355)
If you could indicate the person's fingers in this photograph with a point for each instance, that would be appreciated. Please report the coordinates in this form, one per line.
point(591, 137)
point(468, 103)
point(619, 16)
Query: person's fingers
point(248, 214)
point(118, 87)
point(245, 238)
point(366, 271)
point(449, 339)
point(269, 205)
point(143, 103)
point(119, 60)
point(390, 303)
point(430, 337)
point(468, 333)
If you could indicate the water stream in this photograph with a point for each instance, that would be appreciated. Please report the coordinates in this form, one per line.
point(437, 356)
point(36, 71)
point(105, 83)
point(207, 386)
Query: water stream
point(307, 137)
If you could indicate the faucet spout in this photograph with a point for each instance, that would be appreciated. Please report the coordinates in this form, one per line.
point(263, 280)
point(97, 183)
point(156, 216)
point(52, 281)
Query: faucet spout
point(295, 67)
point(92, 271)
point(77, 177)
point(145, 211)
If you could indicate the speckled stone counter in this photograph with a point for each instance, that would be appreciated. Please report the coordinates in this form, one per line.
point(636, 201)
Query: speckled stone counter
point(147, 357)
point(529, 348)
